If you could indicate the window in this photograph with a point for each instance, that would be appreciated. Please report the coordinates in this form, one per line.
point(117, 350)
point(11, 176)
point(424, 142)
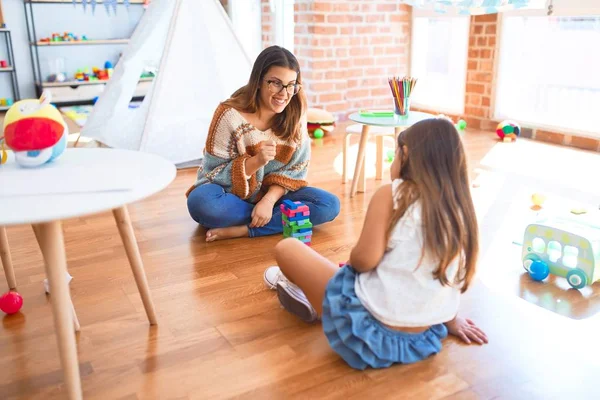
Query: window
point(246, 20)
point(439, 61)
point(284, 23)
point(547, 73)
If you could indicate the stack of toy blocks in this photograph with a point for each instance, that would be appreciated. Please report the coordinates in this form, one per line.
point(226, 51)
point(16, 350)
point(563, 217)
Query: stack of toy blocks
point(295, 217)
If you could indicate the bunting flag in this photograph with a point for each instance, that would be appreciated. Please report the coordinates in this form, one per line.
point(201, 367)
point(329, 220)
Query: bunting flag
point(475, 7)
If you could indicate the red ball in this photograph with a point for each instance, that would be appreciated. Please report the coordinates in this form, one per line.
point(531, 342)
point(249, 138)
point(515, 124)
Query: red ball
point(11, 302)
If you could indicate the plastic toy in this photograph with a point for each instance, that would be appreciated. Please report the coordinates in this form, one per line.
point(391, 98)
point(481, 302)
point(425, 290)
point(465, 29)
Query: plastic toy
point(36, 131)
point(11, 302)
point(508, 130)
point(562, 247)
point(295, 218)
point(3, 64)
point(461, 125)
point(320, 121)
point(538, 200)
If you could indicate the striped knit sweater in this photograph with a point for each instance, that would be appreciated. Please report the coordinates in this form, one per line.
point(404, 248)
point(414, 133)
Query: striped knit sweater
point(231, 140)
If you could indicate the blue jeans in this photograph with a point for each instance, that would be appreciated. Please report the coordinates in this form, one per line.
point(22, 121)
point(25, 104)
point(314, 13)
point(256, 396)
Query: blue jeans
point(210, 206)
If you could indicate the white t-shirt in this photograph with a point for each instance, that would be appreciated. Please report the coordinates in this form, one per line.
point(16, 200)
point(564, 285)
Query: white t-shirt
point(398, 293)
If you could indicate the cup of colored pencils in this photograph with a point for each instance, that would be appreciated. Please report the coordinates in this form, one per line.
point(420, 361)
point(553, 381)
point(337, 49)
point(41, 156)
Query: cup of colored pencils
point(401, 91)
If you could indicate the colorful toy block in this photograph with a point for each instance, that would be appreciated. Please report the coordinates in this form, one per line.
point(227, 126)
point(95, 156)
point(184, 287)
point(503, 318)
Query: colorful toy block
point(295, 218)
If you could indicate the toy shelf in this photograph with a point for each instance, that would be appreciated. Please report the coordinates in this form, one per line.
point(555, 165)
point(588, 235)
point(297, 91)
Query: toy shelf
point(10, 68)
point(71, 91)
point(82, 83)
point(78, 1)
point(84, 42)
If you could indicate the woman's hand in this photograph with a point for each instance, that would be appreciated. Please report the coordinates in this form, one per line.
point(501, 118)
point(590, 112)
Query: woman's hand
point(466, 330)
point(262, 213)
point(266, 152)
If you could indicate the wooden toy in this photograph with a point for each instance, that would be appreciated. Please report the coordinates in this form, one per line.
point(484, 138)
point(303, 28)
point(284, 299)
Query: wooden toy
point(562, 247)
point(295, 218)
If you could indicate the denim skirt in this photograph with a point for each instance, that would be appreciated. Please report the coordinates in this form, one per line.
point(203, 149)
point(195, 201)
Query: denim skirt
point(360, 339)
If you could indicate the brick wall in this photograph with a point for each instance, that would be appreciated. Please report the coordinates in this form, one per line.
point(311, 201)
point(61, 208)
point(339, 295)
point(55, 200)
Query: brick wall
point(347, 49)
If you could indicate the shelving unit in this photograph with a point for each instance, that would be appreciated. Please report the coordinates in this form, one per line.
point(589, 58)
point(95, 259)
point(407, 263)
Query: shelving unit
point(71, 92)
point(11, 69)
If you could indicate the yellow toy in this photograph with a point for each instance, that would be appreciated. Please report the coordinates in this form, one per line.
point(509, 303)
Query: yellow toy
point(35, 130)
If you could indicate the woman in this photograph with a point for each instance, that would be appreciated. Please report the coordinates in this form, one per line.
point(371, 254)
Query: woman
point(257, 155)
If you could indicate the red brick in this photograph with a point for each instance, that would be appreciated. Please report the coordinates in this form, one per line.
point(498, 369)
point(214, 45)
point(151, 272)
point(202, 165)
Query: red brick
point(552, 137)
point(360, 51)
point(394, 50)
point(492, 40)
point(483, 77)
point(338, 18)
point(381, 91)
point(330, 97)
point(490, 29)
point(366, 29)
point(325, 30)
point(337, 107)
point(346, 30)
point(585, 143)
point(475, 111)
point(485, 53)
point(475, 88)
point(321, 6)
point(477, 29)
point(381, 40)
point(473, 53)
point(323, 64)
point(345, 63)
point(486, 66)
point(485, 18)
point(341, 52)
point(482, 41)
point(399, 18)
point(352, 94)
point(485, 101)
point(472, 41)
point(473, 123)
point(376, 18)
point(474, 99)
point(364, 61)
point(386, 7)
point(322, 86)
point(472, 65)
point(341, 7)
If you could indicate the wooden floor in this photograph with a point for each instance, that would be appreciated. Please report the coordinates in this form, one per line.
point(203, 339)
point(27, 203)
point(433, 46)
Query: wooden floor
point(222, 334)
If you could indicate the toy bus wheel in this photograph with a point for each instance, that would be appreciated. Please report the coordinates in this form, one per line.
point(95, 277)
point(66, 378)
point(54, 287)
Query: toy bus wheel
point(529, 259)
point(538, 270)
point(576, 278)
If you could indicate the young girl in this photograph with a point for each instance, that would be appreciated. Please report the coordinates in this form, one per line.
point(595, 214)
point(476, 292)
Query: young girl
point(398, 296)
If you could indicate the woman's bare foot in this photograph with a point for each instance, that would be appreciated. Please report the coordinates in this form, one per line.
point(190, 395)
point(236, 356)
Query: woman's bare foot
point(226, 233)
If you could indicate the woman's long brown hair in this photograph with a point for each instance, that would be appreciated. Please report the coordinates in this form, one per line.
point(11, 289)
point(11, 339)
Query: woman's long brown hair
point(434, 172)
point(246, 99)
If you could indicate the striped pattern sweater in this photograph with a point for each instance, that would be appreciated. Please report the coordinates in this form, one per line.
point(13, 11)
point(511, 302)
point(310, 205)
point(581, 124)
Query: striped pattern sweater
point(231, 140)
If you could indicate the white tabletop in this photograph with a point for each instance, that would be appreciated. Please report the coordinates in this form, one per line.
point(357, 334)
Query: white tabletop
point(395, 121)
point(81, 181)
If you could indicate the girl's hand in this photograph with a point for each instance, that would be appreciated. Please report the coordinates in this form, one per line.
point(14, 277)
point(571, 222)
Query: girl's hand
point(466, 330)
point(266, 152)
point(262, 213)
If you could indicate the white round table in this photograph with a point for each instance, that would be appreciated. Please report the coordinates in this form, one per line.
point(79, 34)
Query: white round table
point(397, 122)
point(82, 181)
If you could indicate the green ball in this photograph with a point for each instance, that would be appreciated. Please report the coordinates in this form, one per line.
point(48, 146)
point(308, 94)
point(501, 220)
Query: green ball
point(462, 124)
point(318, 133)
point(390, 155)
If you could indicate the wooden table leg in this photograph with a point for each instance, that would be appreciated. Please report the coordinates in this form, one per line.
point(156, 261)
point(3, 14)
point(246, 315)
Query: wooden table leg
point(55, 262)
point(39, 238)
point(135, 259)
point(360, 161)
point(7, 260)
point(379, 158)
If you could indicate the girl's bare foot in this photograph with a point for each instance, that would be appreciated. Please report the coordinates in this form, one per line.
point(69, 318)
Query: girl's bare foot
point(226, 233)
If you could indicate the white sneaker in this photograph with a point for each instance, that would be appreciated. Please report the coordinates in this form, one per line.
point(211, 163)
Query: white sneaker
point(47, 285)
point(293, 299)
point(273, 275)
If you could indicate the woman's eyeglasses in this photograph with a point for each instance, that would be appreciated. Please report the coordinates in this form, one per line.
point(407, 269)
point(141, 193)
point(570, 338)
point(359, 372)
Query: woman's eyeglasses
point(276, 87)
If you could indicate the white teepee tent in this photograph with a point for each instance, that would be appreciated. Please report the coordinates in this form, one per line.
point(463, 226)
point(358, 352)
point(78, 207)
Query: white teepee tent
point(199, 62)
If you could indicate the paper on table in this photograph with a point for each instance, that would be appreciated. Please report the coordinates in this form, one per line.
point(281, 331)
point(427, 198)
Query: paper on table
point(55, 178)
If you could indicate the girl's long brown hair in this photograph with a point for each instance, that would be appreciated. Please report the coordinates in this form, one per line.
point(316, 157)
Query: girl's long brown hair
point(246, 99)
point(434, 172)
